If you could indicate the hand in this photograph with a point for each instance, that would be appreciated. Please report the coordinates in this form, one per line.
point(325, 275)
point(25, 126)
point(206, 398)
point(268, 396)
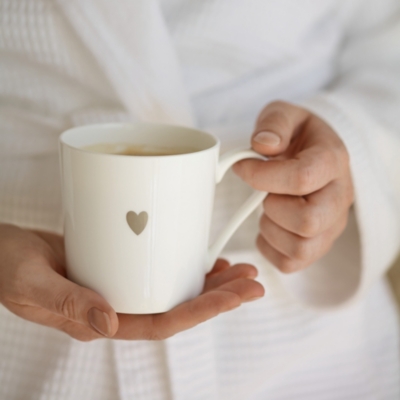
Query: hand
point(309, 183)
point(33, 286)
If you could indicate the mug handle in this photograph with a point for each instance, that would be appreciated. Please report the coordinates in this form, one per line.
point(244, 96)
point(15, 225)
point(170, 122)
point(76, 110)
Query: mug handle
point(225, 162)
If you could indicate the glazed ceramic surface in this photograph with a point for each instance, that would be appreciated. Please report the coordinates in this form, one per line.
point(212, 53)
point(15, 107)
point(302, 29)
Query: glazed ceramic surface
point(137, 227)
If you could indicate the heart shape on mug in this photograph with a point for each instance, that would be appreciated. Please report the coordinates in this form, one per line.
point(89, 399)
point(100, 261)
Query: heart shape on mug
point(137, 222)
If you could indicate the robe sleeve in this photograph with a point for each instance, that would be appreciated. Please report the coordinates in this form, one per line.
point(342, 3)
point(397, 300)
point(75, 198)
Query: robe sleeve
point(363, 106)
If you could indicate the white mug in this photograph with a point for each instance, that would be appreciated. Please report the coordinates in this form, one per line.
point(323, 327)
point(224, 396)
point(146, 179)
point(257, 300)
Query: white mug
point(137, 227)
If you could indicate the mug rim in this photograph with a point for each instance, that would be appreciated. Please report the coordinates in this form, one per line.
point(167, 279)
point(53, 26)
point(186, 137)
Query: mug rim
point(123, 125)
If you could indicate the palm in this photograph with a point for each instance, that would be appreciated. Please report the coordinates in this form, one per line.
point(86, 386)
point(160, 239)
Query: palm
point(225, 288)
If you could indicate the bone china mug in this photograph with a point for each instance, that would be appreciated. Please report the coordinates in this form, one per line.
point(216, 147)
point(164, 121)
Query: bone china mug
point(137, 227)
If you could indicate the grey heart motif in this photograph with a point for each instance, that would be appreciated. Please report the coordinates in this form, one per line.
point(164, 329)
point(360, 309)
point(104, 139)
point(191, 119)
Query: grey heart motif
point(137, 222)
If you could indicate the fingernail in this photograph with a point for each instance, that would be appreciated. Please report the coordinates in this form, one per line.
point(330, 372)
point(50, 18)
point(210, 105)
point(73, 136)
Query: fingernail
point(267, 138)
point(100, 321)
point(252, 299)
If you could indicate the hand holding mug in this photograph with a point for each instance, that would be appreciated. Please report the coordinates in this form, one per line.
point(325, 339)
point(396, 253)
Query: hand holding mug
point(136, 238)
point(309, 183)
point(33, 286)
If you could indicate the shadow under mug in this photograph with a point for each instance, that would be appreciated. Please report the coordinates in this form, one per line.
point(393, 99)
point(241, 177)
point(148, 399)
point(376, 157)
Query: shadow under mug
point(137, 227)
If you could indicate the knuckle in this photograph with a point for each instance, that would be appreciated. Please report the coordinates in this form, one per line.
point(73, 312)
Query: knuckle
point(287, 265)
point(276, 121)
point(275, 115)
point(157, 336)
point(302, 249)
point(304, 179)
point(310, 222)
point(154, 331)
point(66, 304)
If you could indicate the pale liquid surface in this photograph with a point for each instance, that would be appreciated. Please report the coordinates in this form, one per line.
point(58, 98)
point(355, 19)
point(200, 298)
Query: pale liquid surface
point(127, 149)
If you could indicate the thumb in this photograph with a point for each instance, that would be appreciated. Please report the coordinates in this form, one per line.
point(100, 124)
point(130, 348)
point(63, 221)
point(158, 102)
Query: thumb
point(75, 303)
point(276, 125)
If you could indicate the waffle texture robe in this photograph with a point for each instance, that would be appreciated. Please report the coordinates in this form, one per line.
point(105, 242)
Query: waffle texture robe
point(327, 333)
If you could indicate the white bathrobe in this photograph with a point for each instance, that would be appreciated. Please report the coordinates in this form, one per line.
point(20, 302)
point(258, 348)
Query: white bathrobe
point(330, 332)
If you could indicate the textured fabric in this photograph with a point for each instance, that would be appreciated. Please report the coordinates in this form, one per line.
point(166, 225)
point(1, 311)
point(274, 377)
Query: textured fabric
point(330, 332)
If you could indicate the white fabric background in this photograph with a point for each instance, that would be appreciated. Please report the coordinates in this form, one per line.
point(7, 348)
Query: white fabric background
point(328, 333)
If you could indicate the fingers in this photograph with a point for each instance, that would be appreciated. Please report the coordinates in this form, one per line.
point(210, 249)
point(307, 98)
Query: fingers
point(219, 266)
point(31, 265)
point(246, 289)
point(191, 313)
point(290, 252)
point(45, 288)
point(309, 184)
point(44, 317)
point(311, 157)
point(310, 215)
point(310, 170)
point(182, 317)
point(235, 272)
point(34, 290)
point(275, 127)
